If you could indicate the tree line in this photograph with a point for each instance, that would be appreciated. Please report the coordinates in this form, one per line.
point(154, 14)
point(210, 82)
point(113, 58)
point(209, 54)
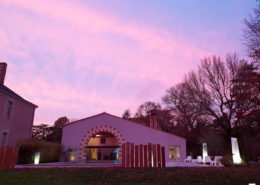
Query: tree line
point(51, 133)
point(218, 100)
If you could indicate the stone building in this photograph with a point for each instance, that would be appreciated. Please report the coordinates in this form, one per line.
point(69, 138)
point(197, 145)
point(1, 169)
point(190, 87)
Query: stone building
point(16, 114)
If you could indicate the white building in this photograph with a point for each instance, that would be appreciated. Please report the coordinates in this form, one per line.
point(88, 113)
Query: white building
point(100, 137)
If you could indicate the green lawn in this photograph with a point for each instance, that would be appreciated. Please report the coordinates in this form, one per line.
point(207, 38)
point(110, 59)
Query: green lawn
point(178, 176)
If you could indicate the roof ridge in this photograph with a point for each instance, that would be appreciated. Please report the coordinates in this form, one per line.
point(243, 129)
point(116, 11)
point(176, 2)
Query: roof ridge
point(4, 89)
point(122, 119)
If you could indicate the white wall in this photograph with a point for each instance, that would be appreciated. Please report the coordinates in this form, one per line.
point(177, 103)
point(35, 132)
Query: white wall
point(131, 131)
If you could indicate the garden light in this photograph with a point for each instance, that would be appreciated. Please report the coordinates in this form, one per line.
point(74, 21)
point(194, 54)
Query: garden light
point(72, 156)
point(37, 157)
point(235, 151)
point(204, 151)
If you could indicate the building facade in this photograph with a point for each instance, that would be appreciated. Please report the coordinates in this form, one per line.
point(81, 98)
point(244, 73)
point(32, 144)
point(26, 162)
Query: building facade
point(100, 137)
point(16, 114)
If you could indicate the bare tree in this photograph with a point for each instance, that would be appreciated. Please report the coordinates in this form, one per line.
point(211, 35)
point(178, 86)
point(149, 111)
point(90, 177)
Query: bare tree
point(164, 116)
point(144, 109)
point(187, 112)
point(211, 89)
point(207, 94)
point(189, 115)
point(226, 91)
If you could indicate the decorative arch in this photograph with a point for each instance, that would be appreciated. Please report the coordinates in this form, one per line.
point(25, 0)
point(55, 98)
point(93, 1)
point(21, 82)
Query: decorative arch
point(94, 131)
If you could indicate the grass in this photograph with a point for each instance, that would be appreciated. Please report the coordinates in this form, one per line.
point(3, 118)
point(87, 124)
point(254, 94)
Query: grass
point(102, 176)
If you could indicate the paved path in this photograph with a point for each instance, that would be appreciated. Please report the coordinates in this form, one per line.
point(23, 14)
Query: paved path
point(183, 164)
point(69, 165)
point(100, 165)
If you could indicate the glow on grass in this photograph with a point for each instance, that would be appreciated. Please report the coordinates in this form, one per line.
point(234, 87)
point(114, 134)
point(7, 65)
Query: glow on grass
point(37, 158)
point(235, 151)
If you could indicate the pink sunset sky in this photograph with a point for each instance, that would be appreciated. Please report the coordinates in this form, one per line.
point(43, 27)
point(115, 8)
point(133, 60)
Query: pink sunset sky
point(79, 58)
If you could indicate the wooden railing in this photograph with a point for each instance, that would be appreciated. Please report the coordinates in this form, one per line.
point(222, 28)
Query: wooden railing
point(139, 156)
point(8, 157)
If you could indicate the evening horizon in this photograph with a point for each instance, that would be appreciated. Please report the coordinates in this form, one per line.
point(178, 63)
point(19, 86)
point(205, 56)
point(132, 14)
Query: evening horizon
point(85, 58)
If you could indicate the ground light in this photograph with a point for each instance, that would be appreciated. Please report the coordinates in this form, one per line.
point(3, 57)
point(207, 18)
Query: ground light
point(235, 151)
point(72, 156)
point(37, 157)
point(204, 151)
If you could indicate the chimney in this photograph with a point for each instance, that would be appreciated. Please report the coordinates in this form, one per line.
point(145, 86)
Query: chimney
point(153, 120)
point(3, 67)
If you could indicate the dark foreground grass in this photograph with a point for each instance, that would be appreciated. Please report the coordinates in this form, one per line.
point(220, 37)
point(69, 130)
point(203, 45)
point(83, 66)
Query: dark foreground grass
point(178, 176)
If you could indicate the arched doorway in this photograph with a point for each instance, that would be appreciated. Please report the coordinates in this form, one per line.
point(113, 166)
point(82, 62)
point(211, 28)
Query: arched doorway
point(92, 140)
point(103, 146)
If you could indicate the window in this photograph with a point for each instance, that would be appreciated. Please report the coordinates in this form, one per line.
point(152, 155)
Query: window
point(9, 109)
point(174, 153)
point(3, 139)
point(103, 140)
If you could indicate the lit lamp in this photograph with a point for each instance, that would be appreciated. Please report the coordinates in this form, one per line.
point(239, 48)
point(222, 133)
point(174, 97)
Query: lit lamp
point(204, 151)
point(72, 156)
point(235, 151)
point(37, 157)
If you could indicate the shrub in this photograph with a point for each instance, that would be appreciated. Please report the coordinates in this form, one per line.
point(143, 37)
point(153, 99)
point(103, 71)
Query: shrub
point(227, 160)
point(50, 152)
point(242, 164)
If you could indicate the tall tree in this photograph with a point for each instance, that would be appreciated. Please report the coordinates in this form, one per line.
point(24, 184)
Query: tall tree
point(143, 112)
point(252, 34)
point(56, 130)
point(208, 93)
point(126, 114)
point(145, 108)
point(60, 122)
point(211, 89)
point(187, 112)
point(227, 92)
point(246, 93)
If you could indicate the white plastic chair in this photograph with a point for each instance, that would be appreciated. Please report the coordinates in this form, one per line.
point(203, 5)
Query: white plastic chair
point(217, 161)
point(199, 159)
point(188, 159)
point(208, 160)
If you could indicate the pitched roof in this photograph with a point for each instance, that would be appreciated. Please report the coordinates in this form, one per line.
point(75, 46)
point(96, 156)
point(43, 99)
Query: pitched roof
point(123, 119)
point(5, 90)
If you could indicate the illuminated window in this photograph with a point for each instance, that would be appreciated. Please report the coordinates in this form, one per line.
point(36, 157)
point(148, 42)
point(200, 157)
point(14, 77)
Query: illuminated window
point(174, 153)
point(92, 154)
point(9, 109)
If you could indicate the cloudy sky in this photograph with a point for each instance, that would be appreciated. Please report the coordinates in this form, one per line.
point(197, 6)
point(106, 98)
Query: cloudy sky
point(79, 58)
